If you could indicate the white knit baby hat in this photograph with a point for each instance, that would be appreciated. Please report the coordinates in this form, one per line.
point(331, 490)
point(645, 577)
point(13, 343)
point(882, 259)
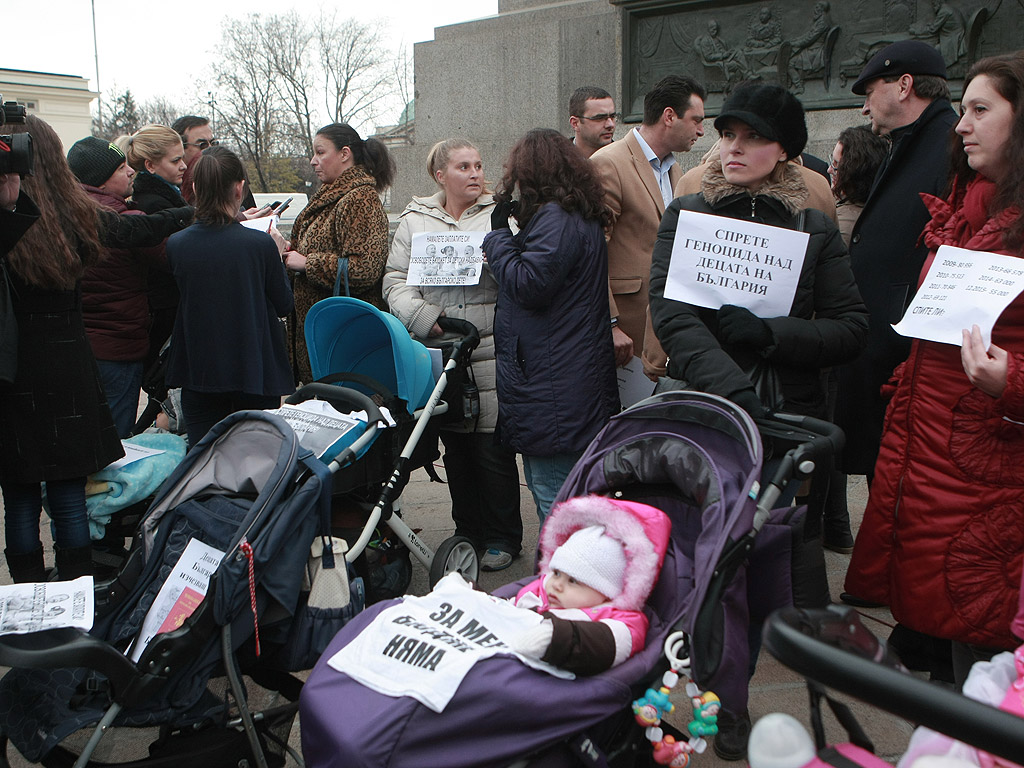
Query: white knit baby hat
point(594, 559)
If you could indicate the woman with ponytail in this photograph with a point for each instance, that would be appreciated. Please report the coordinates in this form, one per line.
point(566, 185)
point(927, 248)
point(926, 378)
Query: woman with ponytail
point(345, 219)
point(227, 349)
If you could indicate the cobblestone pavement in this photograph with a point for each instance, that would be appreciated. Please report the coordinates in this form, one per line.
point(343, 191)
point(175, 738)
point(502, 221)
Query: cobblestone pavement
point(773, 688)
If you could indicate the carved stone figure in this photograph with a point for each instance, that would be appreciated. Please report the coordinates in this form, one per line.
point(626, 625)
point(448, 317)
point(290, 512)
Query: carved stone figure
point(948, 26)
point(714, 53)
point(807, 52)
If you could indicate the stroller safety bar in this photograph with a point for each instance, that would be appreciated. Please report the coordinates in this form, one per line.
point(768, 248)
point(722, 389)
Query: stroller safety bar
point(832, 647)
point(814, 441)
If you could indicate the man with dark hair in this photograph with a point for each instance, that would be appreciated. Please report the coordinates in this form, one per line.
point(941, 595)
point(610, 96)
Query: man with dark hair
point(196, 134)
point(592, 117)
point(906, 98)
point(638, 174)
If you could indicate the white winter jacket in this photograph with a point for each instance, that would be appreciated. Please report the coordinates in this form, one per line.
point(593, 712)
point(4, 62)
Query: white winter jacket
point(418, 307)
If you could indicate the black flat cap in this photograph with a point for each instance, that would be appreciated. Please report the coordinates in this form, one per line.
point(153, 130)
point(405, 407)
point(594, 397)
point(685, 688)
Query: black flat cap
point(907, 57)
point(772, 111)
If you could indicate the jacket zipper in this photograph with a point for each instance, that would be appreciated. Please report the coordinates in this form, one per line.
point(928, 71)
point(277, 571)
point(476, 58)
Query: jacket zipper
point(753, 207)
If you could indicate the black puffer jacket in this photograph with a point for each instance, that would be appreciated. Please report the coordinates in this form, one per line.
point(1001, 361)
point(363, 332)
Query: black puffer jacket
point(827, 324)
point(151, 194)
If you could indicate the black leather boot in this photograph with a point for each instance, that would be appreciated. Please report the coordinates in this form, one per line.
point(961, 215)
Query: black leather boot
point(73, 562)
point(26, 566)
point(733, 735)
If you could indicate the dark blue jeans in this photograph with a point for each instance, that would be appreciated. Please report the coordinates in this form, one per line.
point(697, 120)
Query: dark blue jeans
point(122, 382)
point(23, 503)
point(483, 481)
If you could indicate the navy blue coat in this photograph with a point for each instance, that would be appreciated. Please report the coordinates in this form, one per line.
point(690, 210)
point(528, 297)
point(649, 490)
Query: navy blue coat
point(227, 335)
point(553, 342)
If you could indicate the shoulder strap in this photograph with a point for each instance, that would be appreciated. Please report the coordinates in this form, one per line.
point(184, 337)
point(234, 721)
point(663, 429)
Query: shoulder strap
point(342, 275)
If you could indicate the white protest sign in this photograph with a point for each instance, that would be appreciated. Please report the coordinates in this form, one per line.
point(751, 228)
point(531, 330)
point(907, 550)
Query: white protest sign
point(962, 288)
point(424, 646)
point(446, 258)
point(718, 260)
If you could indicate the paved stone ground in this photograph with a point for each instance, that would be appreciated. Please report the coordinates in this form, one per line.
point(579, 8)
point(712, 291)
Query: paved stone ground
point(773, 688)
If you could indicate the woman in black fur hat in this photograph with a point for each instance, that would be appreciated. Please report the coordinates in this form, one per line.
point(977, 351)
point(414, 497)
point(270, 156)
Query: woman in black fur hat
point(724, 348)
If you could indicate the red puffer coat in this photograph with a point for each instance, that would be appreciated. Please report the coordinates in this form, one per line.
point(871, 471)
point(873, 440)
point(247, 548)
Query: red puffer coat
point(943, 533)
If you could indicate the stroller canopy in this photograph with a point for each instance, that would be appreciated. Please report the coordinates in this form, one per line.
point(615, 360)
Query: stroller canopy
point(346, 335)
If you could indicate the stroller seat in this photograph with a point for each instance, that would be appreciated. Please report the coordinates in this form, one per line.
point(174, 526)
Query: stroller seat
point(697, 458)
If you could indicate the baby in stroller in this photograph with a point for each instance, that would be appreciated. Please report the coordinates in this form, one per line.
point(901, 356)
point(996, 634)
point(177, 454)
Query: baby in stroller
point(594, 580)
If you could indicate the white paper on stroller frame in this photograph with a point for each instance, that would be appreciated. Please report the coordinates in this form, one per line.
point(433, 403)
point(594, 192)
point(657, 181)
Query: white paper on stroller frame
point(32, 607)
point(180, 595)
point(133, 453)
point(424, 646)
point(319, 425)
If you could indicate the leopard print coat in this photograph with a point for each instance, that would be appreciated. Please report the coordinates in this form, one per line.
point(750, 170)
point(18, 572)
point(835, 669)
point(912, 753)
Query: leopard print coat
point(344, 218)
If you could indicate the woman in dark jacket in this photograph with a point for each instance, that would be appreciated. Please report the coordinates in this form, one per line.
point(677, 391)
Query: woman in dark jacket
point(714, 349)
point(555, 361)
point(158, 157)
point(228, 346)
point(717, 350)
point(55, 426)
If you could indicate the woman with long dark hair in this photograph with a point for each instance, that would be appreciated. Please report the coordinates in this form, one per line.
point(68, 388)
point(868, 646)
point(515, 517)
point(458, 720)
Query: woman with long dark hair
point(555, 361)
point(345, 219)
point(942, 538)
point(855, 160)
point(55, 426)
point(227, 349)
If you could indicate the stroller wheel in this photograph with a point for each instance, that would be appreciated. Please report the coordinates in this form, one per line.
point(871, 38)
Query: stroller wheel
point(455, 555)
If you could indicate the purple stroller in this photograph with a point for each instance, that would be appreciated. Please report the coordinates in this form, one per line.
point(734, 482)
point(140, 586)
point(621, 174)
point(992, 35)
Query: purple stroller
point(698, 458)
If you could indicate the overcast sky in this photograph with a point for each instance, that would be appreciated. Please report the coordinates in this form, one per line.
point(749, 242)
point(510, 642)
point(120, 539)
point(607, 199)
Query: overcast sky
point(162, 49)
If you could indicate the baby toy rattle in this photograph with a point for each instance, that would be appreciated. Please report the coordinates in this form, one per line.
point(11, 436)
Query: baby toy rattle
point(655, 704)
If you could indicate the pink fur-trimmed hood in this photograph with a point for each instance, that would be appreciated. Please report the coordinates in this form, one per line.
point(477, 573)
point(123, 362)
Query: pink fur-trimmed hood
point(643, 530)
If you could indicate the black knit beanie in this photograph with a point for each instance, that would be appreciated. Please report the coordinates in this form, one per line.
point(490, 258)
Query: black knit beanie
point(93, 160)
point(772, 111)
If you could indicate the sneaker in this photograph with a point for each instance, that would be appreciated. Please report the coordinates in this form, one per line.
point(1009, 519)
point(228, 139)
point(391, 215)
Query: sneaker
point(859, 602)
point(843, 544)
point(733, 734)
point(495, 560)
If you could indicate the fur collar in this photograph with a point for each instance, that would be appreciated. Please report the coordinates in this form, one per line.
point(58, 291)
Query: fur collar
point(790, 191)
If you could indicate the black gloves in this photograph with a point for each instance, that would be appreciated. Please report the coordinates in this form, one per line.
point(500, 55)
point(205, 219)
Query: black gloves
point(501, 213)
point(748, 400)
point(739, 326)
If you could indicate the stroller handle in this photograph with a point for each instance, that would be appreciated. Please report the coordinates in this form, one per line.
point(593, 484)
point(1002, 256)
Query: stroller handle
point(339, 397)
point(462, 348)
point(821, 439)
point(833, 648)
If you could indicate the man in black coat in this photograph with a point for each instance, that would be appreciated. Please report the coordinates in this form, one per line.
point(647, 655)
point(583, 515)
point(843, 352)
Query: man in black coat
point(907, 99)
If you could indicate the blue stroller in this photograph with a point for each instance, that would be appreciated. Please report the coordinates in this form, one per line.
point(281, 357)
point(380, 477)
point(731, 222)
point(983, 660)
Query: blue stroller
point(250, 491)
point(696, 457)
point(364, 359)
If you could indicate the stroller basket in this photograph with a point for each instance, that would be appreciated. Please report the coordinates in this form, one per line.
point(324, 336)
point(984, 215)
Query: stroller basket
point(833, 648)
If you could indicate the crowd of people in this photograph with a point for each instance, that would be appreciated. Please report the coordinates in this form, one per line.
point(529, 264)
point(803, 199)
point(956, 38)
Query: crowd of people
point(579, 277)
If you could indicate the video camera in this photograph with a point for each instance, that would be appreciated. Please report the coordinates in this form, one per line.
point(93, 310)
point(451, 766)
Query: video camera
point(16, 149)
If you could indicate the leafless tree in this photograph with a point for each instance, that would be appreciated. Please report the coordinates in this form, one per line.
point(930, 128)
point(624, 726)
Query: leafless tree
point(280, 77)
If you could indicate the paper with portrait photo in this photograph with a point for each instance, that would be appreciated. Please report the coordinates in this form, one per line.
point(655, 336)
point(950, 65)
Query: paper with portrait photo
point(33, 607)
point(962, 288)
point(446, 258)
point(718, 260)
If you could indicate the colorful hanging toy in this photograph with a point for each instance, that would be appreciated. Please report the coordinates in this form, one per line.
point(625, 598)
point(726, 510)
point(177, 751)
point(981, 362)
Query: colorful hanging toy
point(655, 704)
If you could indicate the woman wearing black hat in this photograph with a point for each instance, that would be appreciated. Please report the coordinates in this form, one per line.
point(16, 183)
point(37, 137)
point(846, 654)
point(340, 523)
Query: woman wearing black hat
point(719, 350)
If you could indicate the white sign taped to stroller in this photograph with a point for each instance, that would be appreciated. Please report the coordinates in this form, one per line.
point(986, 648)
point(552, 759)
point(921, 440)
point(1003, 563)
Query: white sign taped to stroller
point(446, 258)
point(718, 260)
point(424, 646)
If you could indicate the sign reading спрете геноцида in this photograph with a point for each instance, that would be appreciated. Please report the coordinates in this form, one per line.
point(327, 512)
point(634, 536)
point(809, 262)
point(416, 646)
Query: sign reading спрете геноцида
point(962, 288)
point(717, 260)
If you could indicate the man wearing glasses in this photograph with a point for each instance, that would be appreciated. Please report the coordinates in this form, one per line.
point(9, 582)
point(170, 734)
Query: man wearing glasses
point(196, 134)
point(592, 117)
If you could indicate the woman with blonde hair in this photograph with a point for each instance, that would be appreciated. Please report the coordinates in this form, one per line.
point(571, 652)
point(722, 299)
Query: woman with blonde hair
point(158, 157)
point(483, 478)
point(345, 219)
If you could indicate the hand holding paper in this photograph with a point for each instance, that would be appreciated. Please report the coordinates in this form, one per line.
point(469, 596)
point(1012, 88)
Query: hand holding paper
point(985, 369)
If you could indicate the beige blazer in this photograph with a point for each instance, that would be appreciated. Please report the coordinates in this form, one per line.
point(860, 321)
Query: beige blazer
point(632, 193)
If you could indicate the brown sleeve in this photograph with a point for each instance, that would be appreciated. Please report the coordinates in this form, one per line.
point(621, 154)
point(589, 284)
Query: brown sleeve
point(583, 647)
